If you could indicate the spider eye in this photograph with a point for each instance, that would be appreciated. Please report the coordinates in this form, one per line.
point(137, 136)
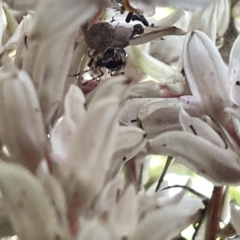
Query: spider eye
point(138, 29)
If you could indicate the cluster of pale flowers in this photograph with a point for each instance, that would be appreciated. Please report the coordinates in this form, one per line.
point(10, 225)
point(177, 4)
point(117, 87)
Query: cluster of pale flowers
point(74, 156)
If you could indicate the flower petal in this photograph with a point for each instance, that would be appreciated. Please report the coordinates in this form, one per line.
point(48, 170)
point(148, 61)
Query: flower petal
point(205, 20)
point(54, 191)
point(177, 198)
point(215, 164)
point(121, 89)
point(29, 206)
point(96, 229)
point(74, 105)
point(162, 115)
point(50, 71)
point(197, 127)
point(109, 194)
point(94, 144)
point(131, 109)
point(130, 141)
point(167, 49)
point(21, 120)
point(125, 211)
point(61, 139)
point(62, 132)
point(22, 6)
point(185, 4)
point(223, 16)
point(5, 223)
point(199, 50)
point(165, 223)
point(76, 14)
point(234, 73)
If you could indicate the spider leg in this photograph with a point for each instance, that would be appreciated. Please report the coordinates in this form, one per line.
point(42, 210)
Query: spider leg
point(90, 65)
point(79, 73)
point(100, 75)
point(116, 73)
point(91, 62)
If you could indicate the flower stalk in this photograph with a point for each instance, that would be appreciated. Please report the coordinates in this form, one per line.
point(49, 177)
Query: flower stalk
point(213, 213)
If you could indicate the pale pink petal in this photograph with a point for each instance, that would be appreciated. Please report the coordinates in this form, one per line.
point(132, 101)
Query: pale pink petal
point(108, 196)
point(195, 19)
point(205, 20)
point(185, 4)
point(225, 135)
point(207, 77)
point(76, 14)
point(54, 191)
point(221, 166)
point(5, 223)
point(130, 141)
point(235, 110)
point(168, 49)
point(50, 71)
point(146, 7)
point(198, 127)
point(177, 198)
point(22, 6)
point(74, 105)
point(125, 213)
point(21, 119)
point(121, 88)
point(31, 211)
point(61, 139)
point(223, 16)
point(146, 204)
point(234, 73)
point(78, 53)
point(94, 141)
point(96, 229)
point(131, 109)
point(94, 144)
point(52, 57)
point(162, 115)
point(151, 190)
point(62, 132)
point(165, 223)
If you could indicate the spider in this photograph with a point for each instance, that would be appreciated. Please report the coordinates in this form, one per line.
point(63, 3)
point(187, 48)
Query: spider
point(113, 59)
point(101, 36)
